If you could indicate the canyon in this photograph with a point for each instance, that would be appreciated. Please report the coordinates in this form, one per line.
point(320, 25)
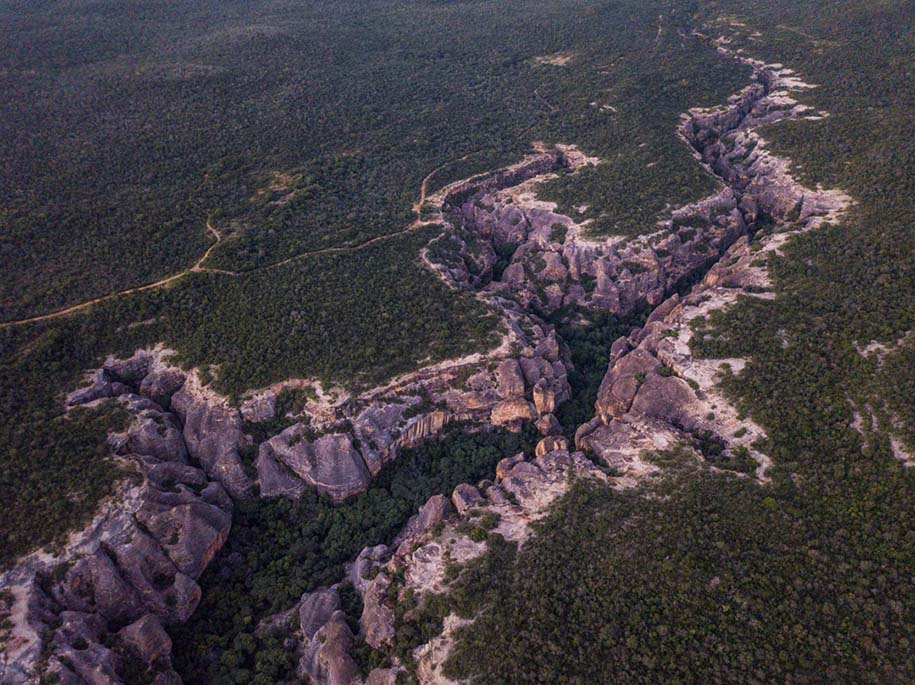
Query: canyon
point(99, 606)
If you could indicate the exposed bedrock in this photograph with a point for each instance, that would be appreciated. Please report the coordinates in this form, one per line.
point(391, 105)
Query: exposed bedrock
point(97, 609)
point(432, 540)
point(213, 434)
point(331, 464)
point(655, 394)
point(505, 241)
point(338, 447)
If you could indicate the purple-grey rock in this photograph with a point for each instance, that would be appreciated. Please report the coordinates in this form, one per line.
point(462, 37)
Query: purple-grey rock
point(213, 437)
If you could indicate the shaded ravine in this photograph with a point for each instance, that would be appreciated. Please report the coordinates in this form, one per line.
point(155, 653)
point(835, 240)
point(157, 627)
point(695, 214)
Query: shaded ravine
point(652, 364)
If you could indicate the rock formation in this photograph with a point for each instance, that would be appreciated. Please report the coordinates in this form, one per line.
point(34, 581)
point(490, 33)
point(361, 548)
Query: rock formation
point(340, 444)
point(96, 610)
point(655, 394)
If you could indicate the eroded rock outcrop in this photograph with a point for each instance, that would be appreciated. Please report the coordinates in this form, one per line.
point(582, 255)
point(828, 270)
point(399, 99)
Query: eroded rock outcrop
point(418, 561)
point(213, 435)
point(341, 443)
point(656, 393)
point(553, 263)
point(327, 640)
point(134, 570)
point(97, 608)
point(330, 463)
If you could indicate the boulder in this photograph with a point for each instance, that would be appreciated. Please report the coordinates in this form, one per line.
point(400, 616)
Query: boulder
point(496, 495)
point(129, 371)
point(510, 379)
point(368, 559)
point(78, 644)
point(377, 621)
point(326, 658)
point(664, 397)
point(621, 383)
point(374, 429)
point(554, 269)
point(147, 640)
point(101, 387)
point(548, 347)
point(168, 475)
point(512, 413)
point(315, 609)
point(95, 585)
point(161, 384)
point(465, 497)
point(505, 465)
point(190, 533)
point(551, 444)
point(548, 425)
point(331, 464)
point(213, 436)
point(162, 589)
point(521, 480)
point(544, 397)
point(433, 512)
point(157, 434)
point(430, 514)
point(275, 478)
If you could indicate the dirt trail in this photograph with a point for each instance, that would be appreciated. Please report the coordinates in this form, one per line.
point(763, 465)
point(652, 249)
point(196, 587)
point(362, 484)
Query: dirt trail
point(196, 268)
point(199, 267)
point(549, 104)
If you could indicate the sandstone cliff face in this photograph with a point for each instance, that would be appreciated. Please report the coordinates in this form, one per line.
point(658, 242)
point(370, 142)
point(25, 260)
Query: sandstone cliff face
point(212, 432)
point(503, 240)
point(341, 444)
point(97, 610)
point(655, 394)
point(330, 463)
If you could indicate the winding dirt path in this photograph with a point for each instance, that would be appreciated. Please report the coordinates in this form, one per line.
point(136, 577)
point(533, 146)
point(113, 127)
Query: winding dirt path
point(196, 268)
point(199, 267)
point(552, 108)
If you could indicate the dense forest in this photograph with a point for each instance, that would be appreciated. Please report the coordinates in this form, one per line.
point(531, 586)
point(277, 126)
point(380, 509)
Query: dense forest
point(298, 126)
point(295, 126)
point(806, 579)
point(290, 127)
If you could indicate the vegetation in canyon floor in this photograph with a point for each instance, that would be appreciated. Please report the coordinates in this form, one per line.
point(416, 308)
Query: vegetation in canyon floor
point(279, 132)
point(279, 549)
point(720, 579)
